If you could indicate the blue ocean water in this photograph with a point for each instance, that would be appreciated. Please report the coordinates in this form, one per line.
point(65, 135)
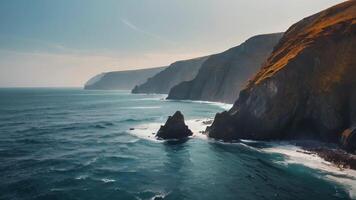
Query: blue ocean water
point(76, 144)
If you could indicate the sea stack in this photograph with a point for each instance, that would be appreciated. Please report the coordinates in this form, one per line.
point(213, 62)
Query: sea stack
point(305, 89)
point(174, 128)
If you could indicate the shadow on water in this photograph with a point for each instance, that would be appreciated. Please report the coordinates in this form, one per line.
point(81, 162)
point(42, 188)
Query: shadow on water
point(175, 142)
point(175, 168)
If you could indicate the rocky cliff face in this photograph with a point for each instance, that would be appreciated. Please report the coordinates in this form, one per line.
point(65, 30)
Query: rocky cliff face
point(121, 80)
point(176, 73)
point(223, 75)
point(307, 87)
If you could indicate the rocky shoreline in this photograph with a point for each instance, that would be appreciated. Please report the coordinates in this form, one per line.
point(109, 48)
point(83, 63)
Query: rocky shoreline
point(340, 158)
point(329, 152)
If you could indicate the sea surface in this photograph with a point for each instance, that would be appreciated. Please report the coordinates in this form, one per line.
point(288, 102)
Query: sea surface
point(76, 144)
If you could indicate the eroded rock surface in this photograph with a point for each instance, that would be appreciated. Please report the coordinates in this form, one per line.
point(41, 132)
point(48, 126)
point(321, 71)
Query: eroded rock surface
point(174, 128)
point(223, 75)
point(174, 74)
point(307, 87)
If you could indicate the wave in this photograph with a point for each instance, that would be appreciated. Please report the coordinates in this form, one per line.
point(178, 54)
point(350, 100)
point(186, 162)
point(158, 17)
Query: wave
point(162, 97)
point(158, 97)
point(138, 120)
point(146, 131)
point(81, 177)
point(106, 180)
point(224, 106)
point(292, 153)
point(296, 155)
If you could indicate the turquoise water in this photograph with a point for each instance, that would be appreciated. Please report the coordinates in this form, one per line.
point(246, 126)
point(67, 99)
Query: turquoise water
point(76, 144)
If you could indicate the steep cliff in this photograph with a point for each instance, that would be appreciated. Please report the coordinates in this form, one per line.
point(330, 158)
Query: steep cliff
point(223, 75)
point(121, 80)
point(174, 74)
point(307, 87)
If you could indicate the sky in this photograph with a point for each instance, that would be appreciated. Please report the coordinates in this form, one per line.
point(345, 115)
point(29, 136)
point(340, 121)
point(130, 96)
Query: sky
point(63, 43)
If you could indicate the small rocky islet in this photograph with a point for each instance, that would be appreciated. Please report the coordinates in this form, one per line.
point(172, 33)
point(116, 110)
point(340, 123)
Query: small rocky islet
point(174, 128)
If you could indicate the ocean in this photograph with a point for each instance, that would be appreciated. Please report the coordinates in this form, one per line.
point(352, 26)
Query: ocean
point(69, 143)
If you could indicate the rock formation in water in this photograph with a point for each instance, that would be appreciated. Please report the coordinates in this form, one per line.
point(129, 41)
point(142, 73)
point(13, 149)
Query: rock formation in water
point(174, 74)
point(223, 75)
point(307, 87)
point(174, 128)
point(121, 80)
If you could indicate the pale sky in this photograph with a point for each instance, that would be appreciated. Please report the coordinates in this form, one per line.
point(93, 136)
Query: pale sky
point(63, 43)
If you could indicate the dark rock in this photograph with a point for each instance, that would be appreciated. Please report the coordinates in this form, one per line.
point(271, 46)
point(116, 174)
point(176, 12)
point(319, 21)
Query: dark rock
point(174, 128)
point(348, 140)
point(131, 129)
point(223, 75)
point(306, 89)
point(208, 122)
point(338, 157)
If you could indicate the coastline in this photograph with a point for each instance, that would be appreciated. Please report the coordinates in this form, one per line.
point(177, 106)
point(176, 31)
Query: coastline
point(296, 154)
point(332, 162)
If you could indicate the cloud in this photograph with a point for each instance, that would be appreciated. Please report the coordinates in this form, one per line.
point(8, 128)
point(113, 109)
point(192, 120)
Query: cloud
point(149, 34)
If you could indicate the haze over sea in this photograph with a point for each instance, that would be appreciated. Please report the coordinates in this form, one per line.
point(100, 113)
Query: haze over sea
point(74, 144)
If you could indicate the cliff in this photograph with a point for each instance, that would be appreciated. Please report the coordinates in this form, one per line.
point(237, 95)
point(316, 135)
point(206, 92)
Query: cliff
point(306, 88)
point(223, 75)
point(174, 74)
point(121, 80)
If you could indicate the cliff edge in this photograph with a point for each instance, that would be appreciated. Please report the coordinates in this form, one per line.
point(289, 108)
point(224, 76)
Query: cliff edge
point(307, 87)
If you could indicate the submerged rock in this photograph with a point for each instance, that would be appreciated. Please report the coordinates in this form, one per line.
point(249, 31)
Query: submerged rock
point(174, 128)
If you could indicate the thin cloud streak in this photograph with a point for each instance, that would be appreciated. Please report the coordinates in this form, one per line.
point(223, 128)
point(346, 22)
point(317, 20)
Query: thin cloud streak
point(140, 30)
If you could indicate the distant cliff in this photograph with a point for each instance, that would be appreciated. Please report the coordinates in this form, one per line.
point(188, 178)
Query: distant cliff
point(307, 87)
point(121, 80)
point(223, 75)
point(176, 73)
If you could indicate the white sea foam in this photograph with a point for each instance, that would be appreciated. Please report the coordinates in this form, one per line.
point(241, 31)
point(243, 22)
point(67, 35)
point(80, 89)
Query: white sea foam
point(158, 97)
point(224, 106)
point(197, 126)
point(163, 97)
point(81, 177)
point(159, 196)
point(147, 131)
point(106, 180)
point(296, 155)
point(89, 162)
